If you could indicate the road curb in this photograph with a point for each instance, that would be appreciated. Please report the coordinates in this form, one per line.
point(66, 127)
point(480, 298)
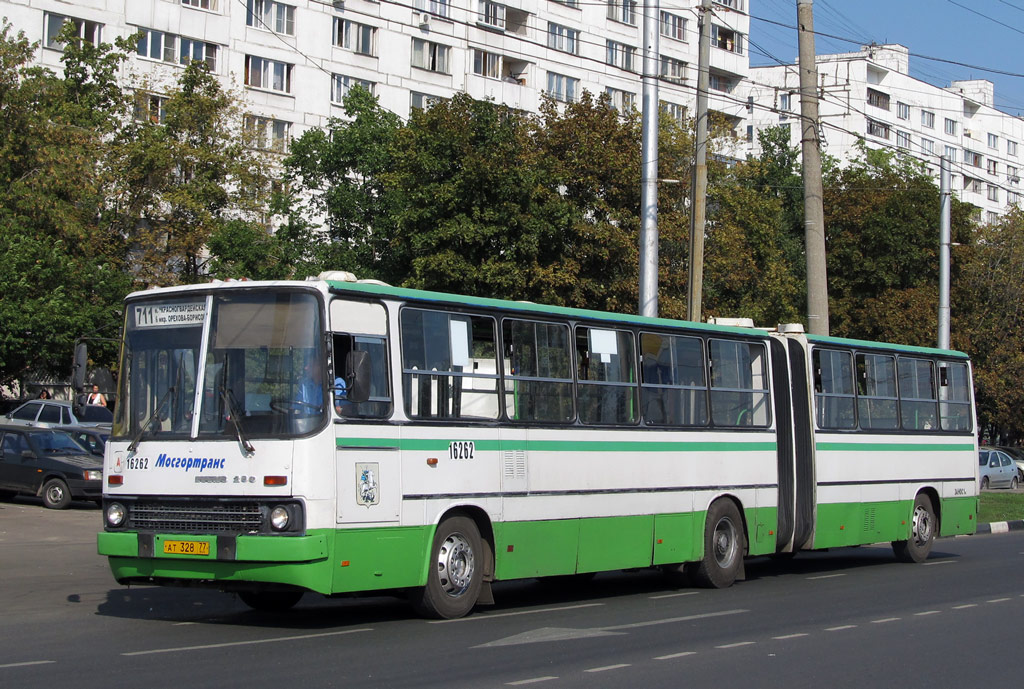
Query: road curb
point(1002, 527)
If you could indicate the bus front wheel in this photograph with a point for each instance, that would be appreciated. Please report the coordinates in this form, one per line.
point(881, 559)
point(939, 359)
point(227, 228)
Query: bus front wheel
point(723, 547)
point(923, 529)
point(455, 573)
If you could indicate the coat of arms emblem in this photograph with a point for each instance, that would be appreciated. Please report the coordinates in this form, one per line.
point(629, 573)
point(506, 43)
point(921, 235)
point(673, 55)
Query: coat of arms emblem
point(366, 483)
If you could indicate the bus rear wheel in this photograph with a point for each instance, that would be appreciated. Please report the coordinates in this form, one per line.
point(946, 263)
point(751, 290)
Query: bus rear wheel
point(923, 529)
point(455, 573)
point(723, 547)
point(270, 601)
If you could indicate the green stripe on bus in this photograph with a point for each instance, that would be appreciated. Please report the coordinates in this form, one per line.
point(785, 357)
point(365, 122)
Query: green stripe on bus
point(895, 447)
point(433, 444)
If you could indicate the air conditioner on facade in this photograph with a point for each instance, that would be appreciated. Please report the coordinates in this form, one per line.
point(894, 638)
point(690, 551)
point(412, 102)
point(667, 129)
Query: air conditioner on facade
point(424, 21)
point(967, 133)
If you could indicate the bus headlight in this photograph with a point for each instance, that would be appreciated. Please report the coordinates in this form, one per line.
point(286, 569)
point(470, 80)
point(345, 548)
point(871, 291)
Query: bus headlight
point(116, 514)
point(279, 518)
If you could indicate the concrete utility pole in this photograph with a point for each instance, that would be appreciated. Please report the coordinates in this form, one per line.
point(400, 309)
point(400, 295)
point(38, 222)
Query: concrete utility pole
point(649, 165)
point(699, 191)
point(944, 238)
point(814, 214)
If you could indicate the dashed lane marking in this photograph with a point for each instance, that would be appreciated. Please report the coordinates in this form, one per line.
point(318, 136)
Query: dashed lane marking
point(473, 618)
point(927, 612)
point(998, 600)
point(251, 642)
point(674, 595)
point(737, 644)
point(608, 667)
point(939, 562)
point(965, 605)
point(789, 636)
point(884, 620)
point(670, 656)
point(826, 576)
point(532, 680)
point(840, 628)
point(28, 663)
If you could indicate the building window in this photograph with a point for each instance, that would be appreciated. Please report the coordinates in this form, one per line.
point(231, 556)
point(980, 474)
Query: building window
point(928, 119)
point(157, 45)
point(201, 4)
point(563, 38)
point(1012, 198)
point(785, 102)
point(267, 133)
point(262, 73)
point(341, 83)
point(438, 7)
point(620, 55)
point(717, 82)
point(993, 141)
point(150, 107)
point(359, 38)
point(927, 145)
point(993, 167)
point(575, 4)
point(971, 158)
point(726, 39)
point(623, 101)
point(902, 111)
point(422, 101)
point(491, 14)
point(879, 129)
point(951, 153)
point(486, 64)
point(1011, 148)
point(878, 99)
point(429, 55)
point(563, 88)
point(674, 110)
point(993, 193)
point(671, 68)
point(198, 51)
point(1011, 175)
point(86, 30)
point(902, 139)
point(673, 26)
point(622, 11)
point(951, 127)
point(270, 15)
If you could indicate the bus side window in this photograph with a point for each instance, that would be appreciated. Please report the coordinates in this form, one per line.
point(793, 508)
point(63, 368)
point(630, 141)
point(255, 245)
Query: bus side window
point(378, 406)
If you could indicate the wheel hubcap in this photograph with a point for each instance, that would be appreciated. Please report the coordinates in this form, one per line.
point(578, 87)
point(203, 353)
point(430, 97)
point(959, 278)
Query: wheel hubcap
point(55, 494)
point(922, 525)
point(725, 543)
point(456, 564)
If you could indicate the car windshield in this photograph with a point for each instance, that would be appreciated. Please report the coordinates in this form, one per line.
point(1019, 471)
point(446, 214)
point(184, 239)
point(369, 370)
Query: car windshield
point(259, 372)
point(54, 442)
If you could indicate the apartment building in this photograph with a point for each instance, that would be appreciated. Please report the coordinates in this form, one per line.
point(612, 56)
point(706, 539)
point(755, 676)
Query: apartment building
point(292, 61)
point(869, 95)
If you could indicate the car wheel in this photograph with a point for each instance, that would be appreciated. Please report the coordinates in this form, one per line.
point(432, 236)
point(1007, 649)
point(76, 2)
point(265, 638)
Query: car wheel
point(56, 495)
point(923, 530)
point(1013, 483)
point(984, 482)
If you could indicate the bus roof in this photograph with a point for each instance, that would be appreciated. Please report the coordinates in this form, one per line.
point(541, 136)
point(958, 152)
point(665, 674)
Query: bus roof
point(848, 342)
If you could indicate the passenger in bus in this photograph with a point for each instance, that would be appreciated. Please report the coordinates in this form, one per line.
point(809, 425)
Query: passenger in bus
point(341, 404)
point(311, 393)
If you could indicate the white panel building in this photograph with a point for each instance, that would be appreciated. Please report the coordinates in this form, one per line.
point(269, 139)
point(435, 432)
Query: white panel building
point(293, 60)
point(870, 96)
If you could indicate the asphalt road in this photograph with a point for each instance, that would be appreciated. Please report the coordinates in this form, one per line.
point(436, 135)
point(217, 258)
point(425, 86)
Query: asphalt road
point(846, 618)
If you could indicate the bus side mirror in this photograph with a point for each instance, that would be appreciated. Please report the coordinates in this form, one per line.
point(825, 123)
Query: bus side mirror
point(80, 366)
point(357, 375)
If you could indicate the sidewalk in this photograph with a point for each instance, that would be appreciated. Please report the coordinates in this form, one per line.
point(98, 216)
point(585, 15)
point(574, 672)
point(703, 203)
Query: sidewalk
point(1002, 527)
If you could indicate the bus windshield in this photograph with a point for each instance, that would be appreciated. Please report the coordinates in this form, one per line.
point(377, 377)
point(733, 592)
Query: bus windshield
point(216, 366)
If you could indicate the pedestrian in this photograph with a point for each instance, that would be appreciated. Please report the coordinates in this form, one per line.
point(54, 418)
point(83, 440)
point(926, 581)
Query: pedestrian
point(44, 394)
point(97, 397)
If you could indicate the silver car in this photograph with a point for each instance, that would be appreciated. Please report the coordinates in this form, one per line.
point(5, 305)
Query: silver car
point(996, 469)
point(50, 413)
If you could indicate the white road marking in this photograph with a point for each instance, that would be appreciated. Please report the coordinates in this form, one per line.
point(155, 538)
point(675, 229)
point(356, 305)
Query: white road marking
point(674, 595)
point(670, 656)
point(737, 644)
point(608, 667)
point(826, 576)
point(998, 600)
point(966, 605)
point(533, 680)
point(927, 612)
point(669, 620)
point(245, 643)
point(840, 628)
point(471, 618)
point(28, 663)
point(790, 636)
point(884, 620)
point(939, 562)
point(183, 624)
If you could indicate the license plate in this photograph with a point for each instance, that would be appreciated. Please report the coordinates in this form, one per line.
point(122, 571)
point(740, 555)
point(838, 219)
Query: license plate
point(186, 547)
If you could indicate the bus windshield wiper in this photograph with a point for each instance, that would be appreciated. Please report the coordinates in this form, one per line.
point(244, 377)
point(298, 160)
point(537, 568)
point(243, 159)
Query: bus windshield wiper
point(134, 444)
point(236, 420)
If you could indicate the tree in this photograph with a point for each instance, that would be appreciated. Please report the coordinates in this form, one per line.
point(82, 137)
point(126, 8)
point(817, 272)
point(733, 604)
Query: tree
point(61, 275)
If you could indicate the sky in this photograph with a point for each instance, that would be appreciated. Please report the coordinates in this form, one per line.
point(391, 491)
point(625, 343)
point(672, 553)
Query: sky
point(952, 30)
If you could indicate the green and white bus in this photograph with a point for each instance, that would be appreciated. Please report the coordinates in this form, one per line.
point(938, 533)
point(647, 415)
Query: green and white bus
point(339, 436)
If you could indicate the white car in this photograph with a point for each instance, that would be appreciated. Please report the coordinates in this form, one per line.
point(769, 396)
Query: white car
point(997, 469)
point(50, 413)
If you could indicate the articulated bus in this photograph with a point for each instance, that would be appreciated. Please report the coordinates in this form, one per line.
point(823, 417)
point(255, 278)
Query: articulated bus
point(339, 436)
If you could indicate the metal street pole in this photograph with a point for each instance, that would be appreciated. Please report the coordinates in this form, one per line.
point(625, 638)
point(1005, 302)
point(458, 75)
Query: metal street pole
point(649, 165)
point(699, 198)
point(944, 238)
point(814, 214)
